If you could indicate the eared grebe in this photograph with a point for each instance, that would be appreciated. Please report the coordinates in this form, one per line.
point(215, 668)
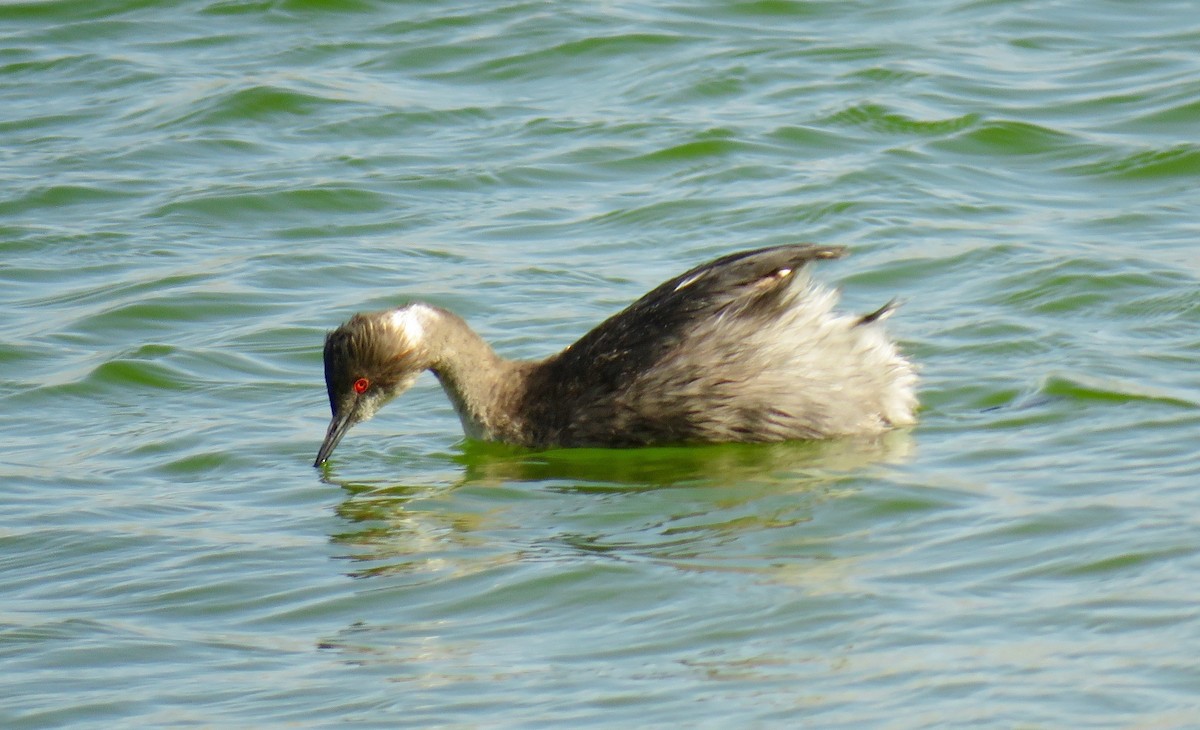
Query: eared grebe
point(745, 348)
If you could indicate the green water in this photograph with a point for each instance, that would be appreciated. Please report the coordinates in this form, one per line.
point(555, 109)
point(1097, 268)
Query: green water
point(192, 193)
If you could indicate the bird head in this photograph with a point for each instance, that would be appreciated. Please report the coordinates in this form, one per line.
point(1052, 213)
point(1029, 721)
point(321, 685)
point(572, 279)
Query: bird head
point(370, 360)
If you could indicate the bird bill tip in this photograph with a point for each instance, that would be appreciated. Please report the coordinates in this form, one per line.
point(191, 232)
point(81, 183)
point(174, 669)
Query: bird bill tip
point(337, 429)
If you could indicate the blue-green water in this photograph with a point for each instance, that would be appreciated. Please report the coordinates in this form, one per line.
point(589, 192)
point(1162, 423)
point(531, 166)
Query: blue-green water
point(192, 193)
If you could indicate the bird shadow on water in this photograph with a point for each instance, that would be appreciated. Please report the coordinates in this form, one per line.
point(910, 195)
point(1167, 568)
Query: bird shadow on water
point(679, 503)
point(658, 467)
point(523, 535)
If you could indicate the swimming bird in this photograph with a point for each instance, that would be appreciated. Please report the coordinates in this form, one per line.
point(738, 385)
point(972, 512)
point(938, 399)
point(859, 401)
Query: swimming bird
point(746, 348)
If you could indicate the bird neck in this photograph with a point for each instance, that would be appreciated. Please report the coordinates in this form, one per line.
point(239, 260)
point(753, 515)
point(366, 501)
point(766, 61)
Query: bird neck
point(481, 384)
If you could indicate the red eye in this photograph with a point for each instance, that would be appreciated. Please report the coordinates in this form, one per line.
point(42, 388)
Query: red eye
point(361, 385)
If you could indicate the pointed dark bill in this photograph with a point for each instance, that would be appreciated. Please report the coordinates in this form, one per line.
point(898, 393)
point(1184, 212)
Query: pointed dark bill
point(338, 427)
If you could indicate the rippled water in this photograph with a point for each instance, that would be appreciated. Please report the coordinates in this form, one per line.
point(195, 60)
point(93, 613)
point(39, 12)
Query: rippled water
point(192, 193)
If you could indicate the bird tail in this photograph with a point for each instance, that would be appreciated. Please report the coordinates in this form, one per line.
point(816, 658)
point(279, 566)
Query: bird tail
point(879, 314)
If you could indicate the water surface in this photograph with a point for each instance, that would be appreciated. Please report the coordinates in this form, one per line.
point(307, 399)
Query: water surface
point(192, 193)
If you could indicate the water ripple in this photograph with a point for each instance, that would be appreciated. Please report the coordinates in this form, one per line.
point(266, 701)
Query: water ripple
point(194, 194)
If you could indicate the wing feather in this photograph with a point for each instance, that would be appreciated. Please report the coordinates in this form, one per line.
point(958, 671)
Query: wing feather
point(633, 340)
